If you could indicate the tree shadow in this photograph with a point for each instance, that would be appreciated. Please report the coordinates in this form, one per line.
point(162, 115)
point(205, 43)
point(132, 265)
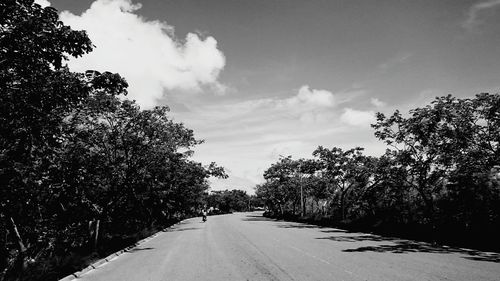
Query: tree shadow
point(490, 258)
point(356, 238)
point(181, 229)
point(177, 225)
point(256, 218)
point(402, 247)
point(139, 249)
point(300, 226)
point(399, 246)
point(334, 231)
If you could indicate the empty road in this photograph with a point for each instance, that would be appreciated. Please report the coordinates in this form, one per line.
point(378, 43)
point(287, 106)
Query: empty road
point(246, 246)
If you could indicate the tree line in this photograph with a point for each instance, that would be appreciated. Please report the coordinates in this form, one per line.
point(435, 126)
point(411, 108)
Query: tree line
point(81, 168)
point(228, 201)
point(439, 178)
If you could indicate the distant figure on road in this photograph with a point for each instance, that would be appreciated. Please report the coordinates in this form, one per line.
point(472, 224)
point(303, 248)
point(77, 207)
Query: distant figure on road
point(204, 213)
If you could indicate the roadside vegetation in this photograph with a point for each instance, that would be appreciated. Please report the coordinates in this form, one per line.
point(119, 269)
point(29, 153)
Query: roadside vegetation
point(228, 201)
point(439, 179)
point(83, 171)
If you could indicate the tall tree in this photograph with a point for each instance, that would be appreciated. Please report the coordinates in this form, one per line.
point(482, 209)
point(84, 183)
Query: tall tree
point(344, 171)
point(37, 93)
point(73, 154)
point(448, 144)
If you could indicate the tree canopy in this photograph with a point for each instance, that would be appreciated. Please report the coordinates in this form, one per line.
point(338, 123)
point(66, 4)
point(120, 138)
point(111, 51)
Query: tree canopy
point(438, 176)
point(80, 166)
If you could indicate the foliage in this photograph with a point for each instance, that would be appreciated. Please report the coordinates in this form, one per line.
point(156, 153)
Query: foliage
point(227, 201)
point(80, 166)
point(439, 175)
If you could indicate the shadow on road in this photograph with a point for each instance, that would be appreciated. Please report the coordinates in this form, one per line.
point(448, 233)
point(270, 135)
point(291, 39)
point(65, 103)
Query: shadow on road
point(256, 218)
point(299, 225)
point(139, 249)
point(181, 229)
point(490, 258)
point(400, 247)
point(357, 238)
point(334, 231)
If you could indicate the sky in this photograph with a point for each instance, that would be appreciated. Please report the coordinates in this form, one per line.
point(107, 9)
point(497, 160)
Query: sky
point(260, 79)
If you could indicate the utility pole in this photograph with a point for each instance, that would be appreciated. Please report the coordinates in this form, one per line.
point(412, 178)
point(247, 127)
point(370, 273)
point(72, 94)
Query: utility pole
point(301, 197)
point(301, 191)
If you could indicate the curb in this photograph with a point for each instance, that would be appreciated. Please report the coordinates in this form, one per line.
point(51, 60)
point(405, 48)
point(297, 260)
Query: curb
point(107, 259)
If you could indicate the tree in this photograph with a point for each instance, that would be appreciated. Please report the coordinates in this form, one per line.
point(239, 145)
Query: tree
point(344, 171)
point(228, 201)
point(37, 92)
point(438, 177)
point(78, 163)
point(284, 183)
point(445, 147)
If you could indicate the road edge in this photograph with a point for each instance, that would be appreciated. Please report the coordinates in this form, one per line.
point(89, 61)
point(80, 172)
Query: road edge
point(112, 256)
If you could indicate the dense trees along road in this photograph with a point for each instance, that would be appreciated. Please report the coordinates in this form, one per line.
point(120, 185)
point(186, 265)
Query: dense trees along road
point(246, 246)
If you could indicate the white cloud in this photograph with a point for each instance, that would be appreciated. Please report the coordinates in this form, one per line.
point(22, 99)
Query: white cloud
point(43, 3)
point(473, 18)
point(233, 182)
point(310, 97)
point(377, 103)
point(247, 136)
point(309, 106)
point(357, 117)
point(145, 52)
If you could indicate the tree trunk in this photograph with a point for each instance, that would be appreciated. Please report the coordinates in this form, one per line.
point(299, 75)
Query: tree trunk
point(342, 205)
point(96, 236)
point(303, 206)
point(17, 269)
point(19, 240)
point(4, 253)
point(429, 212)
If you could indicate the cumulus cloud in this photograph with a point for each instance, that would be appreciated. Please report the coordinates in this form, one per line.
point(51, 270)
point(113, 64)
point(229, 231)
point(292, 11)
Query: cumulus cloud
point(473, 16)
point(357, 117)
point(254, 133)
point(145, 52)
point(308, 105)
point(43, 3)
point(310, 97)
point(377, 103)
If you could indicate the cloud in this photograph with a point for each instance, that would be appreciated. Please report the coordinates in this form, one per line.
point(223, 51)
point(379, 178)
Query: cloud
point(43, 3)
point(249, 135)
point(146, 52)
point(233, 182)
point(311, 98)
point(308, 105)
point(377, 103)
point(473, 17)
point(357, 117)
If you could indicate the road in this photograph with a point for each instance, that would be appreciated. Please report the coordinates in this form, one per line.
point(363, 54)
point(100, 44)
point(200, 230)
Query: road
point(246, 246)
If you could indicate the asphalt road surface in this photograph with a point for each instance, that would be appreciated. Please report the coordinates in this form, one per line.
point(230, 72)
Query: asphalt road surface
point(246, 246)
